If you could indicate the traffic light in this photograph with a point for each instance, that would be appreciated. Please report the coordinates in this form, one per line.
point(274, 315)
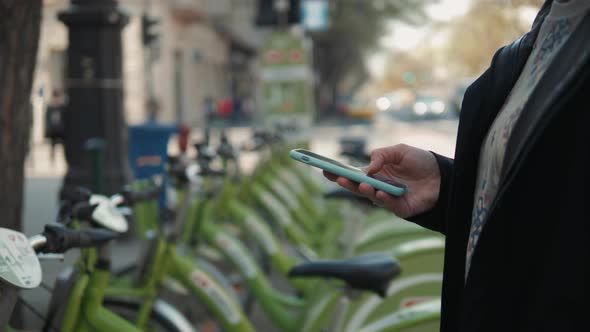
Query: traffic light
point(410, 77)
point(149, 31)
point(268, 16)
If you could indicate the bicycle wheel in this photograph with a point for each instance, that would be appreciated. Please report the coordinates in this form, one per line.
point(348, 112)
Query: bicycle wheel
point(162, 318)
point(188, 306)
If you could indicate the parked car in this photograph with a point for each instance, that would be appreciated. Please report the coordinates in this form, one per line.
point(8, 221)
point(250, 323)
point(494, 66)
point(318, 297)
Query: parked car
point(429, 106)
point(395, 101)
point(361, 108)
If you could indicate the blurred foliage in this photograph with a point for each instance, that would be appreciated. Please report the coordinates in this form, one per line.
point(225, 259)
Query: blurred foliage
point(355, 29)
point(401, 66)
point(470, 43)
point(516, 3)
point(475, 37)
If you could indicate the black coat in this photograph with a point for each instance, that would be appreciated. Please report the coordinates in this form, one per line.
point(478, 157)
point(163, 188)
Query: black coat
point(530, 270)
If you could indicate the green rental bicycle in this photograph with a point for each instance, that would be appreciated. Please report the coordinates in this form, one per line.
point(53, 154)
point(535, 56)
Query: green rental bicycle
point(286, 309)
point(20, 269)
point(277, 305)
point(81, 297)
point(313, 317)
point(164, 262)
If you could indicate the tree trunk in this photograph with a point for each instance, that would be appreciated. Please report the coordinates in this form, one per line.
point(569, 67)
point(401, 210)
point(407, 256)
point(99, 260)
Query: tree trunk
point(20, 22)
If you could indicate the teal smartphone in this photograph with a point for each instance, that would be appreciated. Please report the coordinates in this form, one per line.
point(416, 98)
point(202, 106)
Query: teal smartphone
point(350, 172)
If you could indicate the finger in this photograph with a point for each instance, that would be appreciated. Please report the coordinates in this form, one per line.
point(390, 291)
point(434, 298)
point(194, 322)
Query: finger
point(395, 204)
point(382, 156)
point(382, 196)
point(347, 184)
point(377, 161)
point(367, 190)
point(330, 176)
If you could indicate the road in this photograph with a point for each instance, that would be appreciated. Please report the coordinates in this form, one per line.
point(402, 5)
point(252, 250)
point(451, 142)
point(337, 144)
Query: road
point(44, 179)
point(385, 130)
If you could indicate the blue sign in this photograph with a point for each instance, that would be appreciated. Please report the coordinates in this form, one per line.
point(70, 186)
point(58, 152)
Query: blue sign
point(148, 150)
point(315, 15)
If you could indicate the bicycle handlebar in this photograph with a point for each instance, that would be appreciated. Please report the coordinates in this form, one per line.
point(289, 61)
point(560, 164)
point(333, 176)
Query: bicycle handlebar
point(227, 151)
point(74, 194)
point(60, 239)
point(179, 172)
point(83, 211)
point(211, 172)
point(131, 197)
point(205, 151)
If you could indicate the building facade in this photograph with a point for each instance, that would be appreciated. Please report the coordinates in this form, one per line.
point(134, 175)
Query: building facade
point(205, 49)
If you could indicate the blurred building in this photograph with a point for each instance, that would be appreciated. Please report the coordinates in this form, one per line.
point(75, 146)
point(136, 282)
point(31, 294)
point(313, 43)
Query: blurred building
point(206, 48)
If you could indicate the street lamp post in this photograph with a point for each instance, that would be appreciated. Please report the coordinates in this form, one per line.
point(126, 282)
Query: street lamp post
point(151, 53)
point(95, 92)
point(282, 9)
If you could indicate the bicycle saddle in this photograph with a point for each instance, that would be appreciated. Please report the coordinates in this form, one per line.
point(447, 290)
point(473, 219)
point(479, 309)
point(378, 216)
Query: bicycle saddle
point(372, 272)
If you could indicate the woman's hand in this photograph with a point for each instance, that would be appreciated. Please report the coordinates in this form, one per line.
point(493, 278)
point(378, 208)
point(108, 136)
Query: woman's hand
point(416, 168)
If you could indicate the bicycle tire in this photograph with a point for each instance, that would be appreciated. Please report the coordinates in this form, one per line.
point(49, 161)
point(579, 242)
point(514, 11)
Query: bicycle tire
point(189, 307)
point(157, 321)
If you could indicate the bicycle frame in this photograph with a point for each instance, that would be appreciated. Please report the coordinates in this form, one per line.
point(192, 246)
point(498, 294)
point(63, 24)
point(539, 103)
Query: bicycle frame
point(328, 304)
point(272, 301)
point(287, 207)
point(423, 317)
point(279, 307)
point(85, 311)
point(421, 286)
point(379, 233)
point(168, 263)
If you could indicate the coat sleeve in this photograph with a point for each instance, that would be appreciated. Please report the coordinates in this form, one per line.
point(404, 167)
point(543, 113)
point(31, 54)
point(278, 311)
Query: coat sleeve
point(434, 218)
